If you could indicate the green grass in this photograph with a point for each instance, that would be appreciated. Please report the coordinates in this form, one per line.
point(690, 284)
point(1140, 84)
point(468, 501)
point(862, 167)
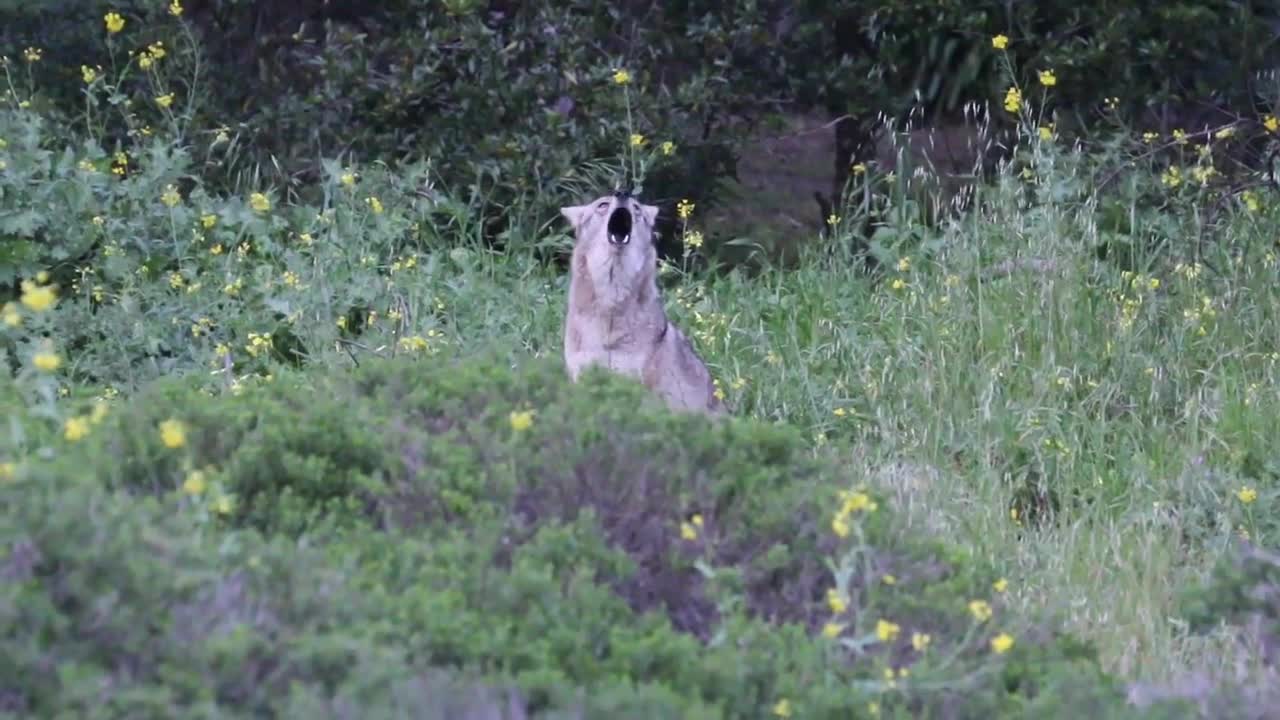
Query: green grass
point(1090, 432)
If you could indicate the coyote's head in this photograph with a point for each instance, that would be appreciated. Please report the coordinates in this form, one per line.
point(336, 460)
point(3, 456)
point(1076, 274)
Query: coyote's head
point(614, 238)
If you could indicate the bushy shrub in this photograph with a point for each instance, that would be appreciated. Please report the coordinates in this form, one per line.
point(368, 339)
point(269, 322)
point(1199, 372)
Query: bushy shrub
point(344, 536)
point(517, 103)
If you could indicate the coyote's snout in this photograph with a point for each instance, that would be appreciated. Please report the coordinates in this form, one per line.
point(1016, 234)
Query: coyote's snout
point(615, 316)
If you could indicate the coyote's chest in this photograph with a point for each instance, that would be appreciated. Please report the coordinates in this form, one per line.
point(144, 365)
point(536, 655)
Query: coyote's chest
point(594, 342)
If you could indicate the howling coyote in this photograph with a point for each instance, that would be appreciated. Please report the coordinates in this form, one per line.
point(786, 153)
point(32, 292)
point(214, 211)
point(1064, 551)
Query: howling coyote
point(616, 318)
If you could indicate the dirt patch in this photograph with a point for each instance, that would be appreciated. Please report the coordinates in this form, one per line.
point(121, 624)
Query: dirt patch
point(771, 205)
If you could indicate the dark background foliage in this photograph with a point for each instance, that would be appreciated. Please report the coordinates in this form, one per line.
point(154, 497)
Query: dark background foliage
point(512, 99)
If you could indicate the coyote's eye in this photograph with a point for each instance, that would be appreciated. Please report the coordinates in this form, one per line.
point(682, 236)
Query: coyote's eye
point(602, 206)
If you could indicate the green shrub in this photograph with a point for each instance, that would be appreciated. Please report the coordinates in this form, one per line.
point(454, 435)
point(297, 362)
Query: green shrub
point(515, 102)
point(344, 534)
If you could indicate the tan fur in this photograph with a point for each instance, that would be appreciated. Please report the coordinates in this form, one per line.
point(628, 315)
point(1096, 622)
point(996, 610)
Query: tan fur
point(616, 318)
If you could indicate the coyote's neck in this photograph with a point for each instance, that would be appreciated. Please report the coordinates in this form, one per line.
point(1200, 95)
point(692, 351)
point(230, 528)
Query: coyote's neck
point(614, 309)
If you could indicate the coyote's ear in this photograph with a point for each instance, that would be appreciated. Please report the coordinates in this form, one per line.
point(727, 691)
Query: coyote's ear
point(575, 214)
point(650, 213)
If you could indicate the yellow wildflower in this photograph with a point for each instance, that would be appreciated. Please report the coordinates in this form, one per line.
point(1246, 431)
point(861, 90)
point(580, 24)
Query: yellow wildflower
point(840, 524)
point(621, 77)
point(413, 343)
point(832, 629)
point(522, 420)
point(1013, 100)
point(1047, 78)
point(32, 55)
point(175, 8)
point(1000, 42)
point(904, 264)
point(693, 239)
point(374, 204)
point(668, 148)
point(173, 433)
point(195, 483)
point(1271, 123)
point(224, 505)
point(114, 22)
point(920, 641)
point(684, 209)
point(348, 179)
point(1250, 200)
point(259, 202)
point(258, 343)
point(38, 297)
point(782, 708)
point(8, 471)
point(1001, 643)
point(88, 73)
point(1202, 173)
point(980, 610)
point(1000, 585)
point(857, 501)
point(886, 630)
point(208, 220)
point(164, 100)
point(1246, 494)
point(637, 140)
point(75, 428)
point(12, 317)
point(171, 196)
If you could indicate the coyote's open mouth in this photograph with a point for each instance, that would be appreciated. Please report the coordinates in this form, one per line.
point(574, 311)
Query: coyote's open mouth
point(620, 226)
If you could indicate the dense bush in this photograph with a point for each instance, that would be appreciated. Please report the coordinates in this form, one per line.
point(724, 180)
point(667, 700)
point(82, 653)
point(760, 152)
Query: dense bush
point(323, 541)
point(515, 101)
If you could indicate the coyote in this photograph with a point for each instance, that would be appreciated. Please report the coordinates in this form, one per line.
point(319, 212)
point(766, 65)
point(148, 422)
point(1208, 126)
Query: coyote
point(616, 318)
